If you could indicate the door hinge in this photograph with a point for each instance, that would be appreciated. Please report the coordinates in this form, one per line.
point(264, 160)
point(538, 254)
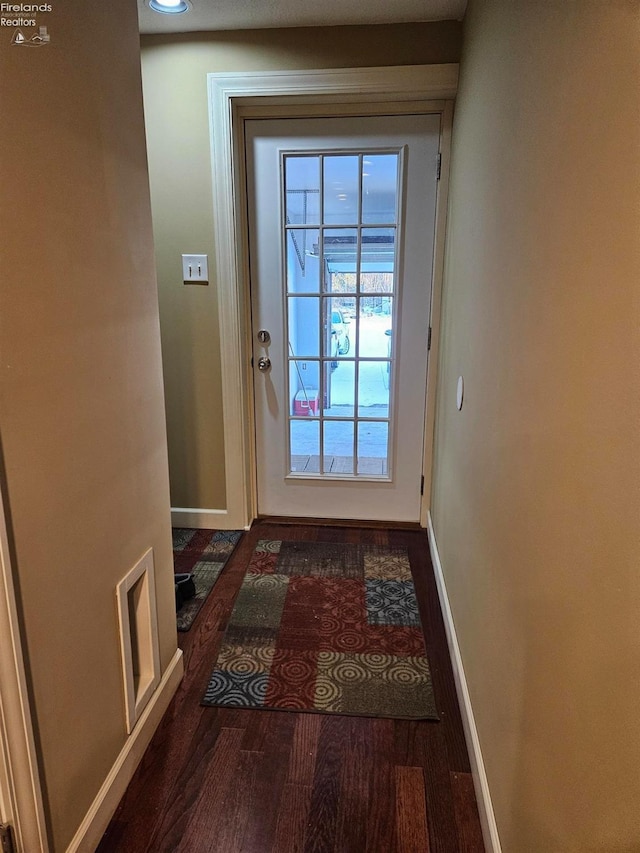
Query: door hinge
point(439, 167)
point(429, 340)
point(6, 839)
point(422, 485)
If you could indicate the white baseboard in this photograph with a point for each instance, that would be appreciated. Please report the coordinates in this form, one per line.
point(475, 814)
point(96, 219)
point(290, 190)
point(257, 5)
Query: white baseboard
point(101, 811)
point(203, 519)
point(480, 782)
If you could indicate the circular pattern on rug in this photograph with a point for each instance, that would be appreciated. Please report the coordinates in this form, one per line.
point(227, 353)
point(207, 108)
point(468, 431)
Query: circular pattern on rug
point(244, 661)
point(215, 548)
point(406, 671)
point(398, 614)
point(335, 636)
point(182, 535)
point(389, 566)
point(327, 693)
point(292, 670)
point(229, 689)
point(263, 563)
point(268, 546)
point(343, 592)
point(348, 670)
point(265, 583)
point(391, 603)
point(349, 640)
point(376, 662)
point(329, 625)
point(396, 640)
point(352, 612)
point(388, 591)
point(307, 584)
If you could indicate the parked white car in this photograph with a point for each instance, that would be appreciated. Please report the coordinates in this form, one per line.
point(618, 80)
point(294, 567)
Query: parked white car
point(340, 332)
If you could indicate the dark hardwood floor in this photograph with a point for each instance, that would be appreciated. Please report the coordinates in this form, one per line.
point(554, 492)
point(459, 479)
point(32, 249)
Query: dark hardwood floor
point(241, 781)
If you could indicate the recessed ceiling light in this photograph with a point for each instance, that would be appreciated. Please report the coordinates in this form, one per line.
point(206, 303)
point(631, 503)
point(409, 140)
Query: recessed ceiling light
point(169, 7)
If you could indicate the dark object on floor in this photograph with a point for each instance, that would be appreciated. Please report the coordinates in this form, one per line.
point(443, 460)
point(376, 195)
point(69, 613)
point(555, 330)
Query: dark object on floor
point(200, 554)
point(327, 628)
point(185, 588)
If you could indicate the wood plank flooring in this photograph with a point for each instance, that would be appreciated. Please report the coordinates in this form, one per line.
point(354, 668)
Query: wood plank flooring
point(221, 780)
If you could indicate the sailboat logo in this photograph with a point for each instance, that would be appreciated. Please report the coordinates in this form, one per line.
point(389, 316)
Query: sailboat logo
point(40, 38)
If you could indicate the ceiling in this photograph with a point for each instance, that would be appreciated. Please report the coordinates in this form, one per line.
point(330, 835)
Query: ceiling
point(260, 14)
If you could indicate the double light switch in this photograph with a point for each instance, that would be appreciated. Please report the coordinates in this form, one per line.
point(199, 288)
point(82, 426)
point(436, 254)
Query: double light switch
point(195, 269)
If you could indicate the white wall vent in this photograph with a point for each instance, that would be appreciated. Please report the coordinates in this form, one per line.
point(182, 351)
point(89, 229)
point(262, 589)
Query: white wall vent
point(136, 596)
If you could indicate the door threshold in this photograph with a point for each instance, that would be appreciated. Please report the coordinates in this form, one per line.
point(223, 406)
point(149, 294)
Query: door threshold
point(337, 522)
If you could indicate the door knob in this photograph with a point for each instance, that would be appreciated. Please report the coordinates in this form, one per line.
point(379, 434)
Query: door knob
point(264, 364)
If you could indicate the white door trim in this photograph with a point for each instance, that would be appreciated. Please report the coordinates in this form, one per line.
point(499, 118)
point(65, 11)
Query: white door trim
point(436, 303)
point(21, 803)
point(227, 95)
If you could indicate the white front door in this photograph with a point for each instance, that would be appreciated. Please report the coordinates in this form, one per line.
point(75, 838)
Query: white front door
point(341, 224)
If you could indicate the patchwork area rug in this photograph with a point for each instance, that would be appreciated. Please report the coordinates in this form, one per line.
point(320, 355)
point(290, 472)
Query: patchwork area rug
point(204, 554)
point(326, 628)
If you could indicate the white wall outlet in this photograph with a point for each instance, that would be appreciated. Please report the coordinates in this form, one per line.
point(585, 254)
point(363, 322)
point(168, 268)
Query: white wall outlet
point(195, 268)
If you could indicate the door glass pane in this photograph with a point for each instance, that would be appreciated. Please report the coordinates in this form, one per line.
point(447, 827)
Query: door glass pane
point(302, 190)
point(379, 188)
point(305, 447)
point(304, 388)
point(304, 326)
point(373, 389)
point(375, 324)
point(340, 247)
point(339, 388)
point(373, 440)
point(338, 447)
point(341, 189)
point(338, 343)
point(377, 282)
point(303, 261)
point(378, 255)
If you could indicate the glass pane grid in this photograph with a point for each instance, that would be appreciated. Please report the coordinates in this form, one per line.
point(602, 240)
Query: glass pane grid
point(340, 328)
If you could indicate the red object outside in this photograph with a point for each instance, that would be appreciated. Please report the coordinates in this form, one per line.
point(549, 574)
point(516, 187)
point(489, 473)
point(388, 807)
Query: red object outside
point(306, 402)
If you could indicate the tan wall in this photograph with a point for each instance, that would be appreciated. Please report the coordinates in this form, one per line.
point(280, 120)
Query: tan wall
point(176, 110)
point(81, 398)
point(536, 499)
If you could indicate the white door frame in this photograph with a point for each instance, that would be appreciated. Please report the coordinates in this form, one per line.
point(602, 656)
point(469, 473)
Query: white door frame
point(21, 803)
point(232, 98)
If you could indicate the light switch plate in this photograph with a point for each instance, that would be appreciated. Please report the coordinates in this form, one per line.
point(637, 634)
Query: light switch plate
point(195, 268)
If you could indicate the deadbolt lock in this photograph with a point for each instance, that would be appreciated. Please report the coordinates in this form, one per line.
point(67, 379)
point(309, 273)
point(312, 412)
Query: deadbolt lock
point(264, 337)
